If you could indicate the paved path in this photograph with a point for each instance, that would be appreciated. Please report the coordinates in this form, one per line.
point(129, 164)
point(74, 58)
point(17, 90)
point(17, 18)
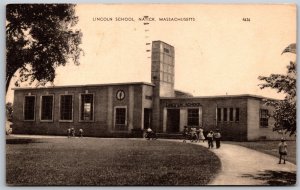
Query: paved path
point(244, 166)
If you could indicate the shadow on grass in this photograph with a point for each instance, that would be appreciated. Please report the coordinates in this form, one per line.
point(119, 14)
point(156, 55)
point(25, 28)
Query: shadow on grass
point(276, 178)
point(21, 141)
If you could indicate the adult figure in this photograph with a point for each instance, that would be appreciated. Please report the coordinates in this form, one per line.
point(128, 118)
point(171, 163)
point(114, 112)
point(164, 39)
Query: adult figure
point(217, 137)
point(282, 147)
point(210, 137)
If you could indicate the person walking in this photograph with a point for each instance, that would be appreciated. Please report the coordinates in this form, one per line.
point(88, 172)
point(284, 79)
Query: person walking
point(282, 148)
point(185, 133)
point(217, 137)
point(69, 132)
point(210, 137)
point(73, 132)
point(201, 135)
point(80, 132)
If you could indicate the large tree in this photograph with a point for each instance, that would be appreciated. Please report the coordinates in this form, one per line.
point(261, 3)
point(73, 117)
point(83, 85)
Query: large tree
point(285, 110)
point(40, 37)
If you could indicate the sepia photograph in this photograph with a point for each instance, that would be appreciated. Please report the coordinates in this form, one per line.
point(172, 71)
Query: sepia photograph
point(150, 95)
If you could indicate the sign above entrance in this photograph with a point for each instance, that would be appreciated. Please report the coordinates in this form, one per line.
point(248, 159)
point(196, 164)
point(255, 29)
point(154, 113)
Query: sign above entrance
point(120, 95)
point(184, 104)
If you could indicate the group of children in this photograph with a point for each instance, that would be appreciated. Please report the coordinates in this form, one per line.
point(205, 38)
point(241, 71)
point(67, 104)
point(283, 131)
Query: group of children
point(195, 134)
point(211, 136)
point(71, 132)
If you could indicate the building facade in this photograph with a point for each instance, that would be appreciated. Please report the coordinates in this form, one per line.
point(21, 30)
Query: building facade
point(125, 109)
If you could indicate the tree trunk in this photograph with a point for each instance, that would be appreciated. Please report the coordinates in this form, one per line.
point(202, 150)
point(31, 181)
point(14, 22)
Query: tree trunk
point(8, 81)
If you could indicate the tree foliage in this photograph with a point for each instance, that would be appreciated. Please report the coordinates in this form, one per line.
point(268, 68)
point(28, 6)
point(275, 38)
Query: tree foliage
point(285, 110)
point(9, 111)
point(40, 37)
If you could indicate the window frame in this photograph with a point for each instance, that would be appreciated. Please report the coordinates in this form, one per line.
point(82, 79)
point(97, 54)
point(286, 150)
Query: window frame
point(266, 117)
point(41, 106)
point(61, 120)
point(225, 114)
point(34, 108)
point(115, 117)
point(198, 118)
point(231, 115)
point(80, 103)
point(237, 115)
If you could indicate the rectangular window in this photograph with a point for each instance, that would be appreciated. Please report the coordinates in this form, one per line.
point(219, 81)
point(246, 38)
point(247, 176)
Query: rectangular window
point(264, 117)
point(66, 107)
point(230, 114)
point(29, 108)
point(237, 114)
point(120, 119)
point(225, 114)
point(87, 107)
point(193, 117)
point(47, 108)
point(219, 114)
point(166, 50)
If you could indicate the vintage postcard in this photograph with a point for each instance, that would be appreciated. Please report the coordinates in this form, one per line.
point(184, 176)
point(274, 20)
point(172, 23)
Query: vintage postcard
point(150, 94)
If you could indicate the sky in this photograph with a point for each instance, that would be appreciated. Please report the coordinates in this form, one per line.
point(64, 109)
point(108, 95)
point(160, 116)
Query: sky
point(216, 52)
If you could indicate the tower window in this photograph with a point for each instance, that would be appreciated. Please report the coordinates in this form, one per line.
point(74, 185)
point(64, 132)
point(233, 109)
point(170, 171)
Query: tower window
point(166, 50)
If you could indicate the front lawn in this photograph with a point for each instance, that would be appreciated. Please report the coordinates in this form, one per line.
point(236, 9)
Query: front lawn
point(270, 147)
point(95, 161)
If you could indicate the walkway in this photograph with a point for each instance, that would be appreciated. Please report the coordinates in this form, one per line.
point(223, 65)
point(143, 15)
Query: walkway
point(244, 166)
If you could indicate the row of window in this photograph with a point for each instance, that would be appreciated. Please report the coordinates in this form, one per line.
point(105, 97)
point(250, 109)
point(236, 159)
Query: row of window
point(65, 111)
point(228, 114)
point(233, 114)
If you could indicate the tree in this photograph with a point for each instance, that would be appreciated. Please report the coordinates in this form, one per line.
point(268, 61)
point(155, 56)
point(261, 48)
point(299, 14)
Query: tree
point(285, 110)
point(9, 111)
point(39, 38)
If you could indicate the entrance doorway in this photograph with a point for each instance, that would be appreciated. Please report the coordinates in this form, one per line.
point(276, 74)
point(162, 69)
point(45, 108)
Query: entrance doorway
point(147, 118)
point(173, 119)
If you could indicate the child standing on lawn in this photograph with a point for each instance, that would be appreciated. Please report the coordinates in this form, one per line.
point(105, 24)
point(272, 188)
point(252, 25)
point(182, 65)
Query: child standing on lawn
point(282, 147)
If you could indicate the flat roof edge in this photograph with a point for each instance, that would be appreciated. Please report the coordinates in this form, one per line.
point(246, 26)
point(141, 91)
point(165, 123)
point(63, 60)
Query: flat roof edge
point(221, 96)
point(86, 85)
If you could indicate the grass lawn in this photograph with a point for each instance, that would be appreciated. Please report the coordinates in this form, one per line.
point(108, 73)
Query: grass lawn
point(270, 147)
point(95, 161)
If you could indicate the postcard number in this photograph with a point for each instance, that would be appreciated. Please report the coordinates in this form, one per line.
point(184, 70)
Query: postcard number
point(246, 19)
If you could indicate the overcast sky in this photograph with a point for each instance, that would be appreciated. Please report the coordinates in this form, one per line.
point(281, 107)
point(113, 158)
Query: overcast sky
point(215, 54)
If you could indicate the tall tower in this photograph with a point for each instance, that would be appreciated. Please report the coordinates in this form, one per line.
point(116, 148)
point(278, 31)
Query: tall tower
point(162, 76)
point(163, 62)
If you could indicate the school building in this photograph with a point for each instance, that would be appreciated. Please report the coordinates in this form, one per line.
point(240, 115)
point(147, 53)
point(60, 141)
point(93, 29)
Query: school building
point(125, 109)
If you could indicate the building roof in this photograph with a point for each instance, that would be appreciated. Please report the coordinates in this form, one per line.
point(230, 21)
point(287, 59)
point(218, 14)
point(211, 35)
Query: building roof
point(220, 97)
point(87, 85)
